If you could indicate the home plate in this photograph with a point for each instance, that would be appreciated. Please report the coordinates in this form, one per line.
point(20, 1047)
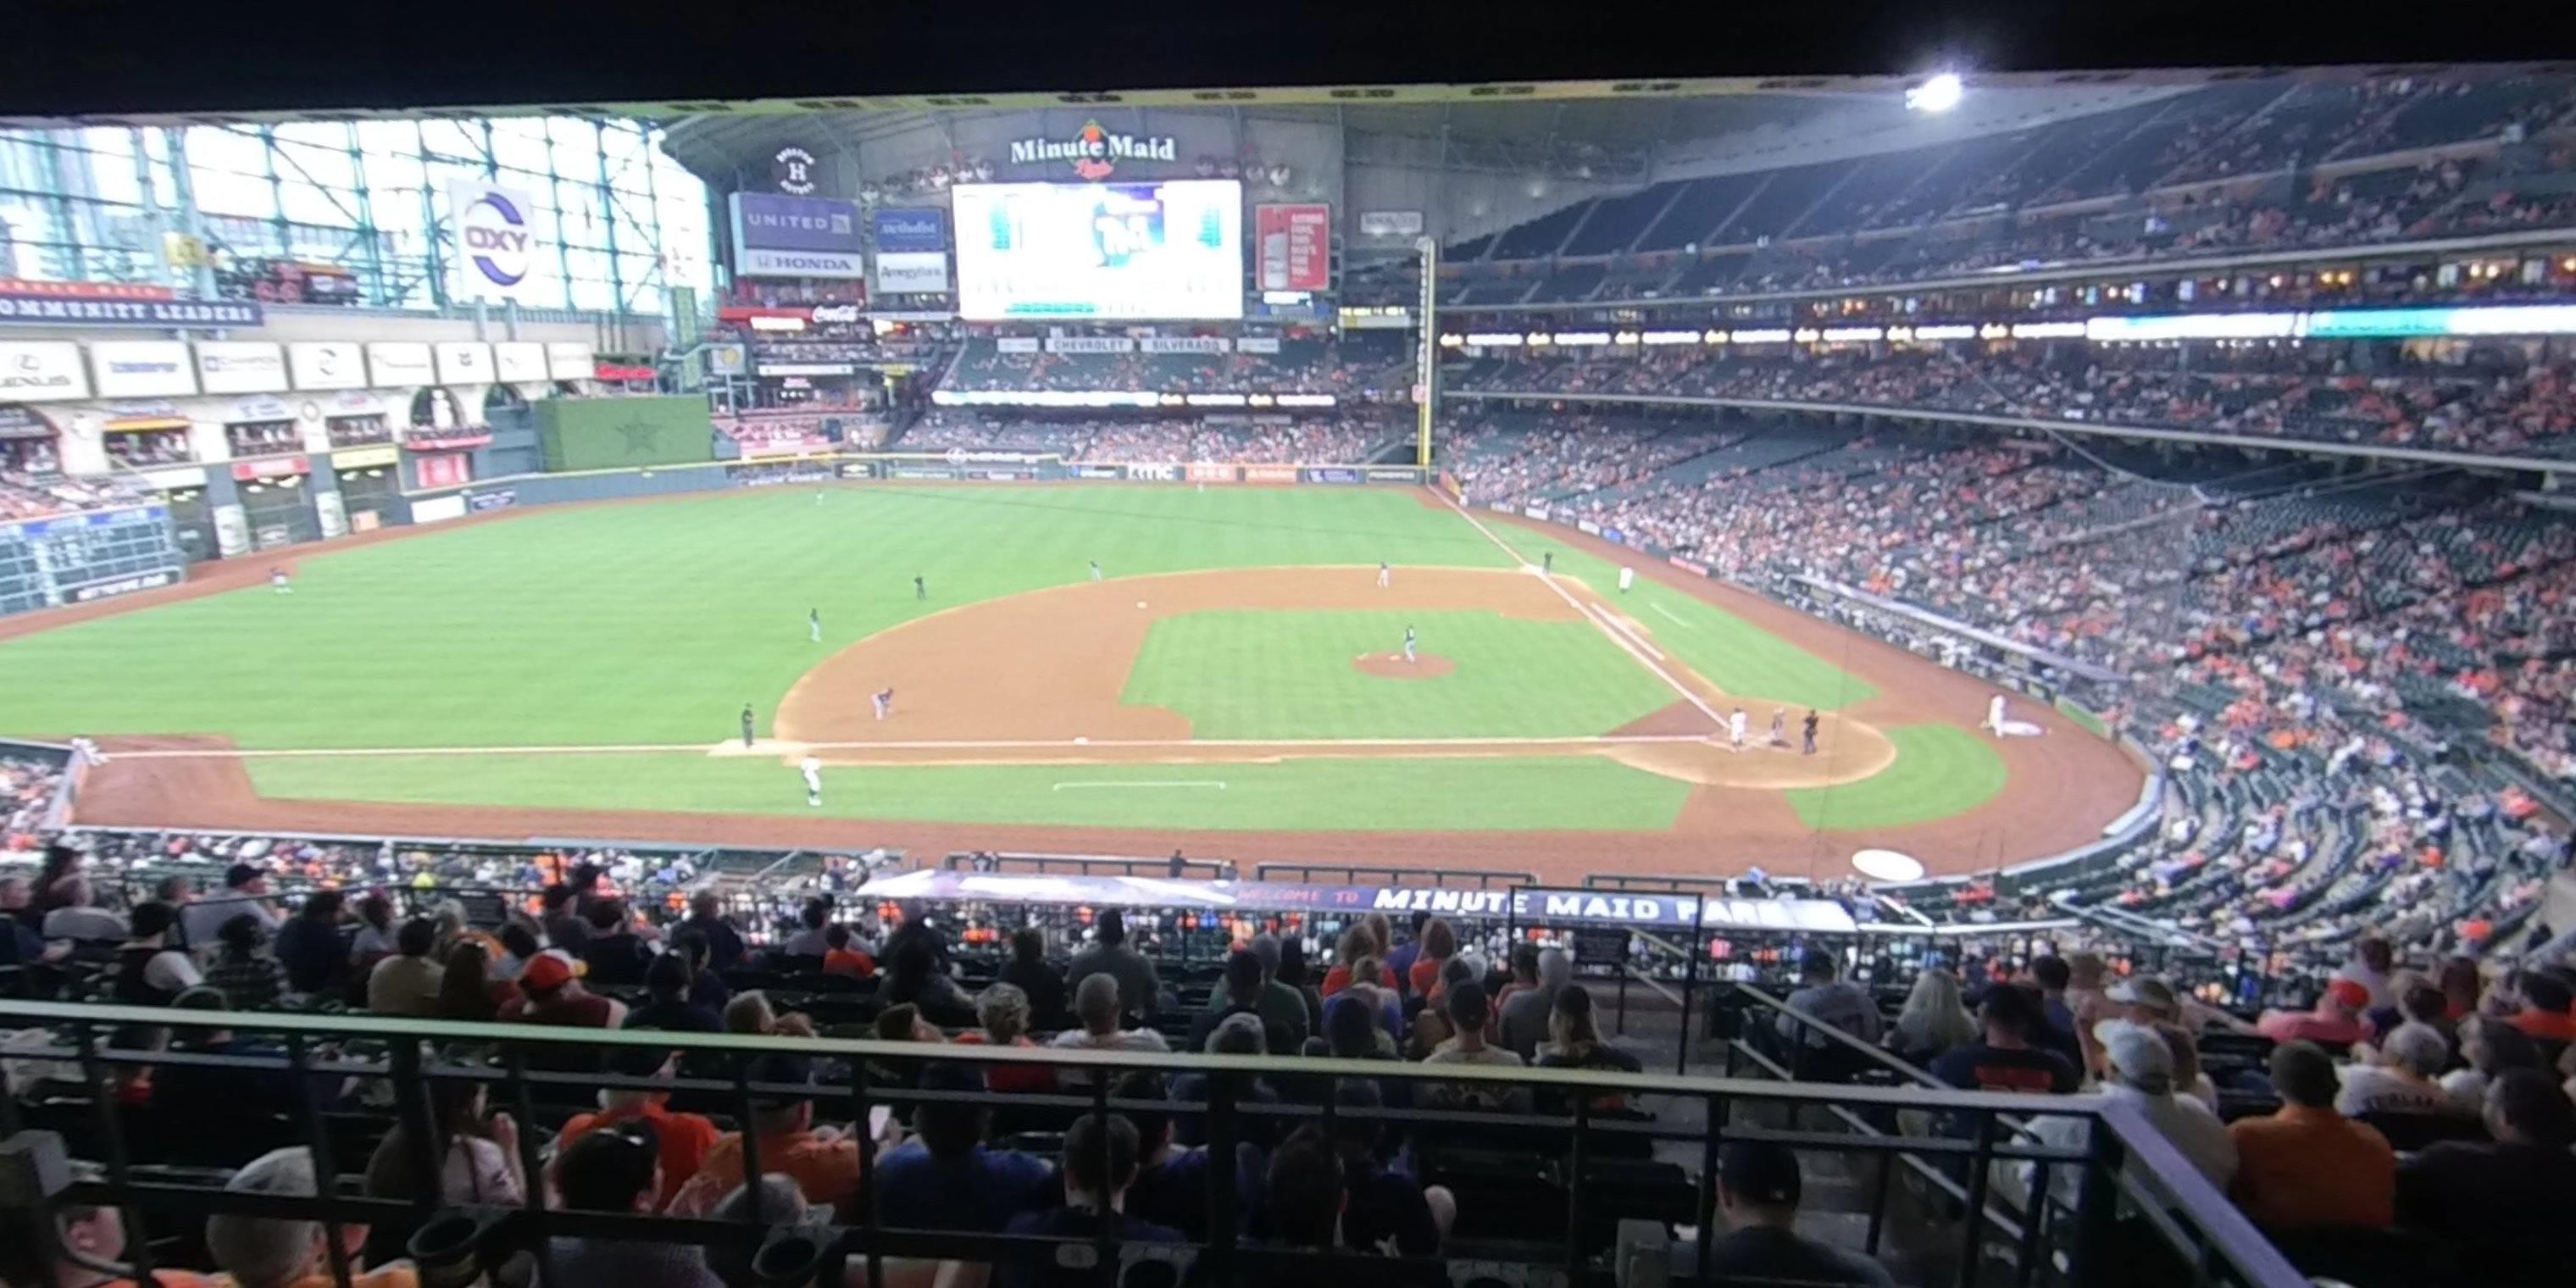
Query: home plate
point(1177, 782)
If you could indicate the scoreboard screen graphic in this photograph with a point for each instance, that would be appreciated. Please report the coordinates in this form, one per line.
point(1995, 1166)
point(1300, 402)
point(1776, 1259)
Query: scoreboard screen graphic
point(1126, 251)
point(75, 558)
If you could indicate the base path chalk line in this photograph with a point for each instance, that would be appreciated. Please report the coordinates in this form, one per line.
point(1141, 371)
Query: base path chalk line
point(1642, 660)
point(772, 747)
point(1613, 621)
point(1182, 782)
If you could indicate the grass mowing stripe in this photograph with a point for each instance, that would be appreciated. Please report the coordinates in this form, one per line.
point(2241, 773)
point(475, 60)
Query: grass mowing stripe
point(1573, 793)
point(1730, 652)
point(1514, 677)
point(1940, 770)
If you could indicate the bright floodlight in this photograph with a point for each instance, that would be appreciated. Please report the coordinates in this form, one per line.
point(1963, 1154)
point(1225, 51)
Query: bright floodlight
point(1939, 94)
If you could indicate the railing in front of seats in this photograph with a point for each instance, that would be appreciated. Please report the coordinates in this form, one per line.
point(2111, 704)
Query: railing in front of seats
point(2123, 1157)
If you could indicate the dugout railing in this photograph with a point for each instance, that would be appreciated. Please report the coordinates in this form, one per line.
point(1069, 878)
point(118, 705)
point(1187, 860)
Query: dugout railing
point(2140, 1206)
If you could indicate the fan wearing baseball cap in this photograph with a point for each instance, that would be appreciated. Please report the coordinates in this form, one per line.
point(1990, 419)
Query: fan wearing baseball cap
point(1758, 1187)
point(2336, 1021)
point(551, 994)
point(2141, 1074)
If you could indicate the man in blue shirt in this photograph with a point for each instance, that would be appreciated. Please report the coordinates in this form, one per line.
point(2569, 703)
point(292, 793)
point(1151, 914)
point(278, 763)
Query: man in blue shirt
point(944, 1178)
point(1099, 1164)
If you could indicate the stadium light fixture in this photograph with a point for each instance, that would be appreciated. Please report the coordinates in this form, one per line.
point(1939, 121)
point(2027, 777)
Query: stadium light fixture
point(1938, 94)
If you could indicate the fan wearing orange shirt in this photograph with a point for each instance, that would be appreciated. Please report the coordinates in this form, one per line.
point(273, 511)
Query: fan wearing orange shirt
point(841, 959)
point(683, 1139)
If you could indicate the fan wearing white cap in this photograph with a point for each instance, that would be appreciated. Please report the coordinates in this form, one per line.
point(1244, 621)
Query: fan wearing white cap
point(2141, 1076)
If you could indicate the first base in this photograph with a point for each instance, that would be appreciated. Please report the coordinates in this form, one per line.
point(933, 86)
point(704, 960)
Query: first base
point(1082, 740)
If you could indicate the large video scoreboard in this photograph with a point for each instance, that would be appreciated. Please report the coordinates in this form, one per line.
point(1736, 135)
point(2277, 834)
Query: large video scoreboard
point(75, 558)
point(1170, 251)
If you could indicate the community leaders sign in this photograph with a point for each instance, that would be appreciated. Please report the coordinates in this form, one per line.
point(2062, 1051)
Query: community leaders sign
point(776, 236)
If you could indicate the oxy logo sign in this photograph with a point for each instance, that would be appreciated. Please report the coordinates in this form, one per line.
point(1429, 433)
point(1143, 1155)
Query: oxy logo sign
point(495, 245)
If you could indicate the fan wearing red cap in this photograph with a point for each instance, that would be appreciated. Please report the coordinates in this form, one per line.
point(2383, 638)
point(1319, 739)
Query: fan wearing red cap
point(551, 993)
point(2336, 1022)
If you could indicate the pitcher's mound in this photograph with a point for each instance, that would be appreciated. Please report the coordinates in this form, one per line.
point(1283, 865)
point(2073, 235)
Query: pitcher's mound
point(1424, 666)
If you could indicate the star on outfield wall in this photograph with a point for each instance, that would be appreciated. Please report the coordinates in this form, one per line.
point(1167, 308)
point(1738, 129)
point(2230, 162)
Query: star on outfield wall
point(639, 436)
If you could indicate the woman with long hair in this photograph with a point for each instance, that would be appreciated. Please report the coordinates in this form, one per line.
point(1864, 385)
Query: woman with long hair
point(1934, 1020)
point(465, 992)
point(1355, 943)
point(375, 939)
point(1574, 1042)
point(1439, 944)
point(478, 1160)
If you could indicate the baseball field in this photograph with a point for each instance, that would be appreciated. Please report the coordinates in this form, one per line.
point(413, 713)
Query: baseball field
point(1233, 683)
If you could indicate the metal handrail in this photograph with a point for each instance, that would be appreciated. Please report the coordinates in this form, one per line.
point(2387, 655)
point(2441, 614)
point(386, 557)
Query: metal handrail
point(2224, 1237)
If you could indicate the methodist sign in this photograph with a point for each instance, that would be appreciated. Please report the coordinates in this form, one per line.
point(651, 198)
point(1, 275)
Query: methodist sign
point(499, 256)
point(912, 252)
point(776, 236)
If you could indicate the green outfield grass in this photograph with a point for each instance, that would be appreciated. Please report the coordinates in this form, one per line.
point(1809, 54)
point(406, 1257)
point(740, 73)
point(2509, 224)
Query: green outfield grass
point(654, 622)
point(1437, 795)
point(1732, 653)
point(1514, 678)
point(1940, 770)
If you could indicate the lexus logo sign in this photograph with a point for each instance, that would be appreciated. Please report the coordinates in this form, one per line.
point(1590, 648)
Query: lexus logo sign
point(793, 170)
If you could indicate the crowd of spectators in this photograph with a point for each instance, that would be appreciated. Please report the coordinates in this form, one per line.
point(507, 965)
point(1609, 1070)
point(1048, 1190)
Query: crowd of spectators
point(1254, 438)
point(2241, 167)
point(26, 496)
point(145, 449)
point(29, 785)
point(2501, 401)
point(2414, 1096)
point(1300, 366)
point(2302, 655)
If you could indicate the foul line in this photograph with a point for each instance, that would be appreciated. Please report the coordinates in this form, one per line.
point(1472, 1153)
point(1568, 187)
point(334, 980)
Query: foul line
point(1611, 620)
point(1666, 612)
point(1182, 782)
point(1615, 638)
point(771, 747)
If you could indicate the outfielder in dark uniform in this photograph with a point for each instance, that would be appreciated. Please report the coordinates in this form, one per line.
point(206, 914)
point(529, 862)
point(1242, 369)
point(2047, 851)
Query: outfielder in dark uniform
point(746, 724)
point(920, 589)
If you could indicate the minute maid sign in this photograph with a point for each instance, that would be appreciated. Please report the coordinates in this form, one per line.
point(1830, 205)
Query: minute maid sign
point(1095, 152)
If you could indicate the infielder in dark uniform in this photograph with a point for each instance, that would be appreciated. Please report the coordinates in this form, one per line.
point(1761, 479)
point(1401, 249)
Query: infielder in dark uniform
point(1547, 562)
point(746, 724)
point(1811, 735)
